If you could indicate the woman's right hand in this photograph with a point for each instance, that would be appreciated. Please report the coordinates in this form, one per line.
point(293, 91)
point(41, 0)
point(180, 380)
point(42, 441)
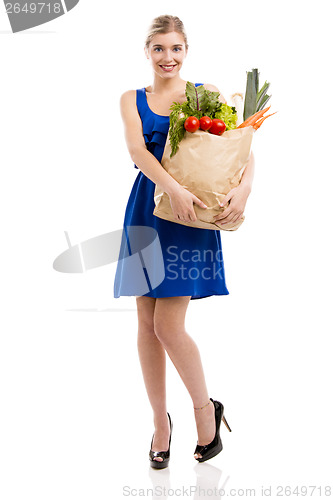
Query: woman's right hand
point(181, 201)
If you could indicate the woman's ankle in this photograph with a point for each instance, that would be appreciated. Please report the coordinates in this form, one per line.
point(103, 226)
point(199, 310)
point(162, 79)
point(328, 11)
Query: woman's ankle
point(202, 406)
point(160, 417)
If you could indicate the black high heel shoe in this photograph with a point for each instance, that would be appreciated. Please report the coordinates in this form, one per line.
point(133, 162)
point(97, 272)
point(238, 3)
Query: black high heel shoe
point(212, 449)
point(157, 464)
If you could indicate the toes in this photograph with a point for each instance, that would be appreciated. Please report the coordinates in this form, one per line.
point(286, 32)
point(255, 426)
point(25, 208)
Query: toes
point(197, 455)
point(158, 459)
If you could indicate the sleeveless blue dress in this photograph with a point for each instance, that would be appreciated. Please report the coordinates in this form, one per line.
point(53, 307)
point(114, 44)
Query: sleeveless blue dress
point(192, 258)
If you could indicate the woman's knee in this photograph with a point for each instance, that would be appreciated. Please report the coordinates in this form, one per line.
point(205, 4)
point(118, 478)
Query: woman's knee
point(145, 310)
point(169, 317)
point(167, 332)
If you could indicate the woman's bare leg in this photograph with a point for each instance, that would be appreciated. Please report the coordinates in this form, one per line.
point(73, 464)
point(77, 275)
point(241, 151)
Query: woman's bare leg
point(153, 363)
point(169, 327)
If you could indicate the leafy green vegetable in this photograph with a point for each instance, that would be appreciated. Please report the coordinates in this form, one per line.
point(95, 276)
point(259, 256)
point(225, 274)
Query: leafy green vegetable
point(262, 97)
point(228, 115)
point(178, 116)
point(196, 97)
point(250, 101)
point(200, 102)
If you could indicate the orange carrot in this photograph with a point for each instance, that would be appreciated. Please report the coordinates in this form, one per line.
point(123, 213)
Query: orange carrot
point(253, 118)
point(259, 122)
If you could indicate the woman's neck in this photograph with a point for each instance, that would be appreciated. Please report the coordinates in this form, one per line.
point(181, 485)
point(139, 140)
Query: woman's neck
point(166, 85)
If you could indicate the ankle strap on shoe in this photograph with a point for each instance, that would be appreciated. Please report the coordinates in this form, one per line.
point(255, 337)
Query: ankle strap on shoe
point(202, 406)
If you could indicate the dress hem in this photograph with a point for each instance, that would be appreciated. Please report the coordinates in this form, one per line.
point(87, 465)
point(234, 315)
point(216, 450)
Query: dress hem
point(193, 297)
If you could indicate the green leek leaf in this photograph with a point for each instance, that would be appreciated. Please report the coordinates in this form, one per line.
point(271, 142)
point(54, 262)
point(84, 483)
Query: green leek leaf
point(264, 101)
point(252, 85)
point(262, 96)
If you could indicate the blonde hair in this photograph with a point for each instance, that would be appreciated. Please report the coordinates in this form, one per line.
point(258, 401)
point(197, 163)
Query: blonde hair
point(166, 24)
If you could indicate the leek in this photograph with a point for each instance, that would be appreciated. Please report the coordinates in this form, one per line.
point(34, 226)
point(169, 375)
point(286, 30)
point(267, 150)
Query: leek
point(255, 100)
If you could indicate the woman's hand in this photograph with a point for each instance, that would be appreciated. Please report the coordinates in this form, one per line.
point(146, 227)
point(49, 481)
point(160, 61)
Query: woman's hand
point(181, 201)
point(234, 203)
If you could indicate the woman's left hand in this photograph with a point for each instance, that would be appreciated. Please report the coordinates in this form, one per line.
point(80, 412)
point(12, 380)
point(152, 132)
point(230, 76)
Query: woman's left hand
point(234, 203)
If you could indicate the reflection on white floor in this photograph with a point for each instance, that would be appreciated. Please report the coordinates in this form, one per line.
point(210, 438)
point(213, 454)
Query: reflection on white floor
point(207, 483)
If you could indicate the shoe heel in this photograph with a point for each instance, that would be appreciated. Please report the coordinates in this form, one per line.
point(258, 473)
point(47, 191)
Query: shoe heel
point(226, 423)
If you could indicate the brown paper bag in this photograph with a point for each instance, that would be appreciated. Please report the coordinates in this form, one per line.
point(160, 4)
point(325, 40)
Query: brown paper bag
point(209, 166)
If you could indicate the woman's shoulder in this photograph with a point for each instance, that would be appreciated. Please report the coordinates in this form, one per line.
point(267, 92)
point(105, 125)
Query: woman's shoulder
point(127, 103)
point(128, 95)
point(212, 88)
point(128, 99)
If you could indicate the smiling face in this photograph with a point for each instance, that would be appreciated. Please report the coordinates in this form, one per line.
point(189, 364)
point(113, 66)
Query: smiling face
point(166, 53)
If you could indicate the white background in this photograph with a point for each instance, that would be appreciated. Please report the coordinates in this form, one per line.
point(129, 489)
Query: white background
point(75, 420)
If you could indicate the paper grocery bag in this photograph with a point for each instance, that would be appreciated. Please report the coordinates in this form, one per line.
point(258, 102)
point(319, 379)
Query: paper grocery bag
point(209, 166)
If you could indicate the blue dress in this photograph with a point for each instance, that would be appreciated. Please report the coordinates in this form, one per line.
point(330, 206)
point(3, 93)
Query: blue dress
point(160, 258)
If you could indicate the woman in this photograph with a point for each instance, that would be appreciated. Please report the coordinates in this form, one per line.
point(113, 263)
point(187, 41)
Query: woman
point(161, 310)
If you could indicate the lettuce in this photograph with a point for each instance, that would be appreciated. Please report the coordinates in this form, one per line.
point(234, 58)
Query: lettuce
point(228, 115)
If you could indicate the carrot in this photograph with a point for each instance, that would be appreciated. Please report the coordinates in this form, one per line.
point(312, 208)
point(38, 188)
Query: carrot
point(261, 120)
point(253, 118)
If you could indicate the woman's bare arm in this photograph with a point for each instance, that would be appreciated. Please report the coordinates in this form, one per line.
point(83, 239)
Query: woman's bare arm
point(181, 199)
point(235, 201)
point(143, 159)
point(248, 174)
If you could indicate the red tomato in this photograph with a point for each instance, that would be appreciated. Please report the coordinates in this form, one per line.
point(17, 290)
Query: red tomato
point(191, 124)
point(205, 123)
point(218, 126)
